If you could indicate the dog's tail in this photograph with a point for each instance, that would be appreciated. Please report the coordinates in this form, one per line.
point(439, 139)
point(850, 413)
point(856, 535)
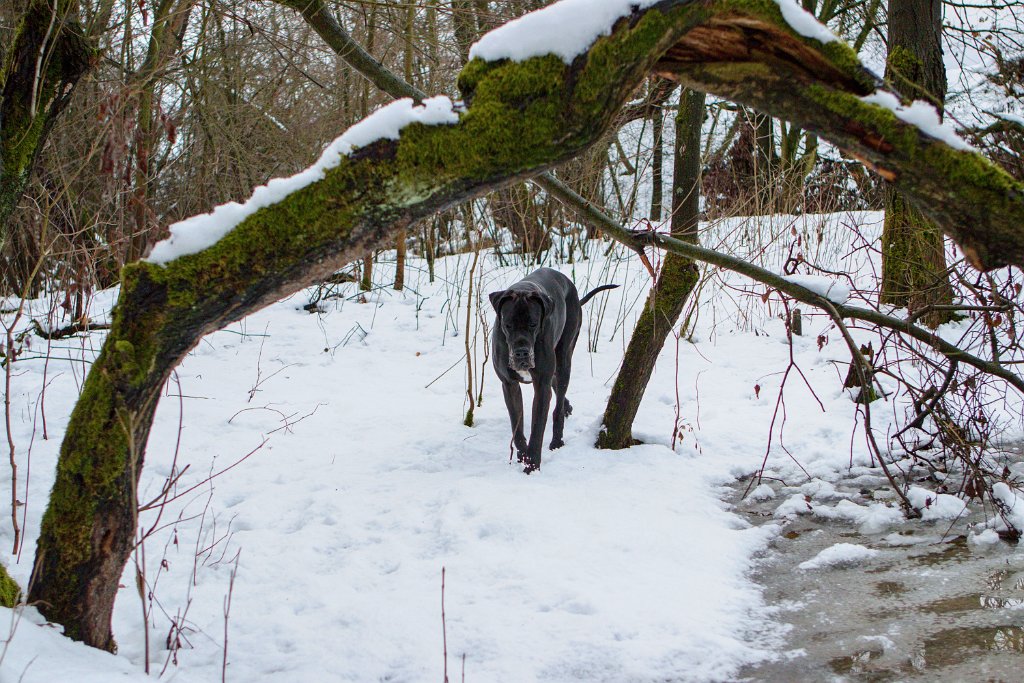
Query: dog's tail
point(590, 294)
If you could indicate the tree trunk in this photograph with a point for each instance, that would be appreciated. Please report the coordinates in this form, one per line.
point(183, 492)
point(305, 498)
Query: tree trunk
point(520, 119)
point(407, 62)
point(914, 273)
point(676, 280)
point(657, 162)
point(766, 167)
point(39, 70)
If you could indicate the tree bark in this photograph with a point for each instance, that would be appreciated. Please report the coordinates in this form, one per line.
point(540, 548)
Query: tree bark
point(657, 162)
point(520, 119)
point(407, 62)
point(39, 70)
point(914, 272)
point(670, 292)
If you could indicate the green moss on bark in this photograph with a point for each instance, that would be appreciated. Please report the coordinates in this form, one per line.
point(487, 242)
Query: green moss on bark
point(10, 592)
point(958, 189)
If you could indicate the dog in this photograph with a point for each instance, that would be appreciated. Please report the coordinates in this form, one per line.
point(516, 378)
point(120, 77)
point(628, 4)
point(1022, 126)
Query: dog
point(537, 323)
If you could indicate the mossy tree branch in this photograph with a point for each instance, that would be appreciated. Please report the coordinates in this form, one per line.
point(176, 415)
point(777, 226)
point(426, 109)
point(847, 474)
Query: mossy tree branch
point(748, 57)
point(520, 120)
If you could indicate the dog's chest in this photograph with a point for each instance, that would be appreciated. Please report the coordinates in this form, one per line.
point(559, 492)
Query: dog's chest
point(524, 376)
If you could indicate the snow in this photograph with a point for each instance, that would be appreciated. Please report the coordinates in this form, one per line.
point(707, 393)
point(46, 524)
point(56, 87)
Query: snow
point(840, 555)
point(921, 114)
point(805, 23)
point(32, 650)
point(796, 504)
point(608, 565)
point(566, 29)
point(831, 289)
point(984, 538)
point(871, 519)
point(197, 233)
point(762, 492)
point(1010, 116)
point(621, 565)
point(935, 506)
point(1012, 508)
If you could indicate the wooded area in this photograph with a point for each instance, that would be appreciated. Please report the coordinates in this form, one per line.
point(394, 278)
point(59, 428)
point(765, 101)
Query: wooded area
point(76, 229)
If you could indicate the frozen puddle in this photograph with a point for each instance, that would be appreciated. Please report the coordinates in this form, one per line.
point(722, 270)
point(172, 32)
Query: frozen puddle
point(915, 601)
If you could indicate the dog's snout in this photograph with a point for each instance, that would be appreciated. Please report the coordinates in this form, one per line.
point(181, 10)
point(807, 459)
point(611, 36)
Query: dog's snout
point(521, 359)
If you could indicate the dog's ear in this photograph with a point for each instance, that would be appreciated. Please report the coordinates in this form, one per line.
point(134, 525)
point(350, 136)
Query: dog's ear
point(498, 298)
point(546, 303)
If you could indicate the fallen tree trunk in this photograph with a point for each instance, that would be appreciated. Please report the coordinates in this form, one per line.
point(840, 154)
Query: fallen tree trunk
point(520, 118)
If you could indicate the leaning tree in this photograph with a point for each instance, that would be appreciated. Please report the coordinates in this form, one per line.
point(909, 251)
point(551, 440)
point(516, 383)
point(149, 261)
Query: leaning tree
point(522, 113)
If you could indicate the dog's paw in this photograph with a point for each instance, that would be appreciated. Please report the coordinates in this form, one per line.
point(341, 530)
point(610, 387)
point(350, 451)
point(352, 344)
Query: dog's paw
point(531, 467)
point(568, 408)
point(556, 443)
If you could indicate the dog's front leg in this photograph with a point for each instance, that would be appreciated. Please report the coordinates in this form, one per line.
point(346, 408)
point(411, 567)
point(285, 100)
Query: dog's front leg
point(541, 404)
point(514, 403)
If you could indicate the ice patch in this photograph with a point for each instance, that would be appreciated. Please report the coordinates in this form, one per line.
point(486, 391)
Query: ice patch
point(819, 489)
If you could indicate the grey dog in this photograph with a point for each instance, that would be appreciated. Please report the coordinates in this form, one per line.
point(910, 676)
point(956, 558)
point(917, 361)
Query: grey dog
point(538, 321)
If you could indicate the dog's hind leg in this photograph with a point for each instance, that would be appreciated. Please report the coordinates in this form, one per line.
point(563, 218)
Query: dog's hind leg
point(562, 407)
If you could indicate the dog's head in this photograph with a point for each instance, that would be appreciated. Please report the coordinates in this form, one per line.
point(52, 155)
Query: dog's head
point(521, 315)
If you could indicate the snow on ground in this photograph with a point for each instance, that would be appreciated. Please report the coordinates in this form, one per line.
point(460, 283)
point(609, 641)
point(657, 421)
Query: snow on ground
point(33, 650)
point(361, 484)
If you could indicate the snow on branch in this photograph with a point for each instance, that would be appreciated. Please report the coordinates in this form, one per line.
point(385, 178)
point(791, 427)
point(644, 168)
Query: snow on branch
point(921, 114)
point(195, 234)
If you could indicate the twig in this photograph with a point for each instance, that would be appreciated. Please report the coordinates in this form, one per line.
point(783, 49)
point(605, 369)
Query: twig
point(227, 615)
point(444, 635)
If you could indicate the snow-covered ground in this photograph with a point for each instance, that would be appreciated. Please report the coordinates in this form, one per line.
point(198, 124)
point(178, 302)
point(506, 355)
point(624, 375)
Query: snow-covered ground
point(351, 483)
